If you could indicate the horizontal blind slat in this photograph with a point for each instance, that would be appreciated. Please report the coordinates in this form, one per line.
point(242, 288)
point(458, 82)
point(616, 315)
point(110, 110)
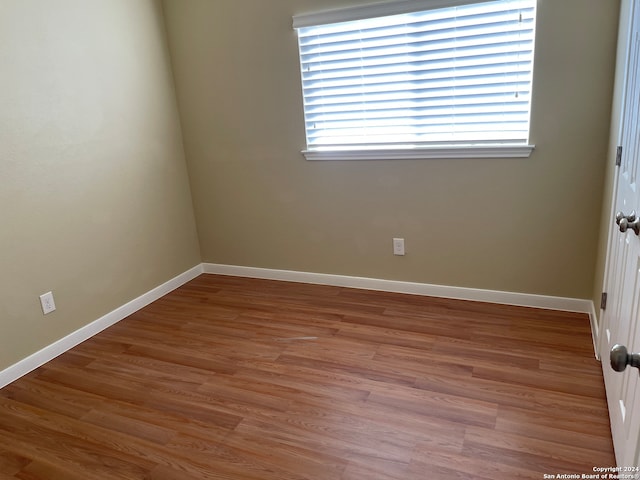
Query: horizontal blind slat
point(432, 32)
point(526, 9)
point(362, 86)
point(414, 44)
point(467, 94)
point(414, 114)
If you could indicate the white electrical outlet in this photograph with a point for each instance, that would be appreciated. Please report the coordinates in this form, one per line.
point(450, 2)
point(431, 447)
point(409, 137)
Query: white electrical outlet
point(47, 303)
point(398, 246)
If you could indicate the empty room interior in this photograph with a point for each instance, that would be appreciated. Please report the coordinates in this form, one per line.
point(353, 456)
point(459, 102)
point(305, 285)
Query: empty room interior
point(230, 298)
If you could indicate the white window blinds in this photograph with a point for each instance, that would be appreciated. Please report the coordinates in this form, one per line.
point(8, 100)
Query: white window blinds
point(440, 77)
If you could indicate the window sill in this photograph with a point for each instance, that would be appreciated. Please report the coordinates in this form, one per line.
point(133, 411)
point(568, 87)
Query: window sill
point(476, 151)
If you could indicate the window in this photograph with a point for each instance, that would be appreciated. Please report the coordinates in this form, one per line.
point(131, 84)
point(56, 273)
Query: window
point(408, 80)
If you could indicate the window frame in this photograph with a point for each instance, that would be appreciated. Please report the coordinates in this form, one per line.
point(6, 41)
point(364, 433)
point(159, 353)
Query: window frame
point(382, 152)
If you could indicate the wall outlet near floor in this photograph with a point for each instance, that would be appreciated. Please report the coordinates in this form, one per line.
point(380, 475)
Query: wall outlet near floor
point(47, 303)
point(398, 246)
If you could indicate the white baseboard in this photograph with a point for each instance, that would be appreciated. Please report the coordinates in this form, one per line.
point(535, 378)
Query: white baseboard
point(48, 353)
point(459, 293)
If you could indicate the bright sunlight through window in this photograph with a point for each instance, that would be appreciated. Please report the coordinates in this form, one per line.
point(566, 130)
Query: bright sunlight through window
point(444, 82)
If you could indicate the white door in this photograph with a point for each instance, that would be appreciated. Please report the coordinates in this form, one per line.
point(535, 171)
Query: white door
point(621, 319)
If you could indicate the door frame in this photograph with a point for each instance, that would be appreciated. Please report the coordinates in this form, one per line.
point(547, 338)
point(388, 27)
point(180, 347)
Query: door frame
point(615, 138)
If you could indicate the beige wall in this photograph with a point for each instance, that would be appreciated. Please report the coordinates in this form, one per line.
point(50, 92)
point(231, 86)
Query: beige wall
point(518, 225)
point(94, 195)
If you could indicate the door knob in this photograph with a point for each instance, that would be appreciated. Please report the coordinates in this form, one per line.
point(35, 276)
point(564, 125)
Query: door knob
point(626, 222)
point(620, 358)
point(620, 216)
point(626, 225)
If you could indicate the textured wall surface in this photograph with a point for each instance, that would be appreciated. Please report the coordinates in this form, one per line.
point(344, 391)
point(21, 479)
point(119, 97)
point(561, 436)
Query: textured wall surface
point(94, 194)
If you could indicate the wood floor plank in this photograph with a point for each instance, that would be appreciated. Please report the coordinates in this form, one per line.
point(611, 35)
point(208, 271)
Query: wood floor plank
point(11, 463)
point(298, 460)
point(371, 334)
point(547, 448)
point(580, 422)
point(388, 471)
point(597, 438)
point(454, 408)
point(40, 471)
point(562, 383)
point(429, 463)
point(230, 378)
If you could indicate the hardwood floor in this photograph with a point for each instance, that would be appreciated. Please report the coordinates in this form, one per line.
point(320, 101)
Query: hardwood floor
point(231, 378)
